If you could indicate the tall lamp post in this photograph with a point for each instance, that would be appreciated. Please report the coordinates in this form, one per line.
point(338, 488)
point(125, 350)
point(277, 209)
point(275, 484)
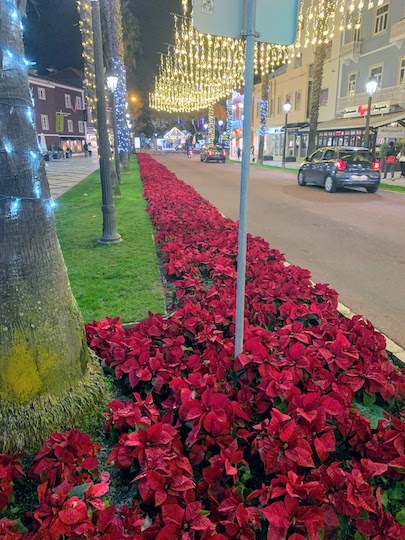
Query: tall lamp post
point(287, 109)
point(220, 124)
point(371, 87)
point(110, 234)
point(206, 134)
point(112, 82)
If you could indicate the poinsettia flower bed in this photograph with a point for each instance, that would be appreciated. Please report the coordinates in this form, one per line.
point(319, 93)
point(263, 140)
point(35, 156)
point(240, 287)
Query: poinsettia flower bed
point(300, 437)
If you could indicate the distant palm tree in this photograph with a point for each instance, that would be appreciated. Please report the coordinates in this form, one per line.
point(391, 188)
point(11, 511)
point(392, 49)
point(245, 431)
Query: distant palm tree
point(131, 34)
point(263, 115)
point(113, 16)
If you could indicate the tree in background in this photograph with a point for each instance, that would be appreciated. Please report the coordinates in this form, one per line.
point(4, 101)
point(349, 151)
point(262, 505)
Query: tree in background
point(113, 16)
point(131, 34)
point(48, 380)
point(264, 110)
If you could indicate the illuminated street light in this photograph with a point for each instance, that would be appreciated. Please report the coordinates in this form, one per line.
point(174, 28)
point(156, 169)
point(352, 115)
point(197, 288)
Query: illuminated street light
point(371, 87)
point(287, 109)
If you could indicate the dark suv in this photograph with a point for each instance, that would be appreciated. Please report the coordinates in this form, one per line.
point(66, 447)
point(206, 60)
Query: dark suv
point(213, 153)
point(341, 166)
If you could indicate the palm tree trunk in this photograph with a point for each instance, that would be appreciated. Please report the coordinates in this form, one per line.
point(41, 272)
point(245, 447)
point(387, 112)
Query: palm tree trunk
point(112, 9)
point(47, 378)
point(320, 53)
point(263, 115)
point(84, 9)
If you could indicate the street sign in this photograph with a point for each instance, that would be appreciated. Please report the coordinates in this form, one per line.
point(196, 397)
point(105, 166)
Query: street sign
point(276, 20)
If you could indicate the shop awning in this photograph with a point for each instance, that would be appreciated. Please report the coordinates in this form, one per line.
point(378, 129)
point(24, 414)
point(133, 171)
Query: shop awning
point(341, 124)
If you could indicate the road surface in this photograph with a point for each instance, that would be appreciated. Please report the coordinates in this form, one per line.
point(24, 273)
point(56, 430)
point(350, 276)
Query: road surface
point(352, 240)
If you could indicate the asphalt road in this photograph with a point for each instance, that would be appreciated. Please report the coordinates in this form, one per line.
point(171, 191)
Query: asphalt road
point(352, 240)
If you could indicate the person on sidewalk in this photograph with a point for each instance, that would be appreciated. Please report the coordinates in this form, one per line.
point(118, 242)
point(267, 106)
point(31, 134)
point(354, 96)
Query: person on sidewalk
point(238, 152)
point(390, 160)
point(401, 159)
point(86, 149)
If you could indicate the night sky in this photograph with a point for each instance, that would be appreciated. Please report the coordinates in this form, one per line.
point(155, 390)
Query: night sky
point(52, 36)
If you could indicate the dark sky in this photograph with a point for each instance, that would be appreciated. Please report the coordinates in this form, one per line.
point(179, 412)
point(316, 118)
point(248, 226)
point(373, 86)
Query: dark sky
point(52, 36)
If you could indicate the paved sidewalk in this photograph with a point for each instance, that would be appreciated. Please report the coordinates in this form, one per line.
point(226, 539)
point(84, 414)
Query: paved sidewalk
point(65, 173)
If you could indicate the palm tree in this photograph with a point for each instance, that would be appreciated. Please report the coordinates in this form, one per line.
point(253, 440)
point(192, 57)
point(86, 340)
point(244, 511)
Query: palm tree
point(263, 115)
point(48, 380)
point(113, 16)
point(328, 7)
point(131, 34)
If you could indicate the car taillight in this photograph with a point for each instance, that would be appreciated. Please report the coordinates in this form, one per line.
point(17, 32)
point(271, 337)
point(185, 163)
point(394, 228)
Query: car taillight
point(376, 166)
point(340, 165)
point(210, 153)
point(223, 153)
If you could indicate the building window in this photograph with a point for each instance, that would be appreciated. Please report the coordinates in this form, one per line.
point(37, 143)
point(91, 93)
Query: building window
point(70, 126)
point(323, 97)
point(280, 104)
point(351, 88)
point(297, 60)
point(78, 103)
point(81, 126)
point(44, 122)
point(356, 29)
point(402, 71)
point(377, 72)
point(41, 93)
point(381, 19)
point(297, 104)
point(68, 101)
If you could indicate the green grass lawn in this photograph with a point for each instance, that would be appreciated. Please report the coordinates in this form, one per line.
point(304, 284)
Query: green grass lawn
point(391, 187)
point(110, 280)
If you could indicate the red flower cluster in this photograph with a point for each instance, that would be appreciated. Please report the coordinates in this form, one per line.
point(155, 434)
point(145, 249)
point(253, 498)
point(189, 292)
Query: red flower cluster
point(300, 437)
point(287, 437)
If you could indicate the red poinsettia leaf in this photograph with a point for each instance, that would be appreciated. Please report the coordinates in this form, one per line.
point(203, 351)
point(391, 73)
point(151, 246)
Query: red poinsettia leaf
point(97, 503)
point(89, 463)
point(173, 513)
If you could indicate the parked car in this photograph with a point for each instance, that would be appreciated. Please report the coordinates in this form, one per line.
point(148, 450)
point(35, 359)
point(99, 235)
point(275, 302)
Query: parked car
point(213, 153)
point(341, 166)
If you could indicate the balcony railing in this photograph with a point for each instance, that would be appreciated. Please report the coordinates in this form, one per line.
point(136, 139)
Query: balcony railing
point(398, 33)
point(394, 94)
point(351, 52)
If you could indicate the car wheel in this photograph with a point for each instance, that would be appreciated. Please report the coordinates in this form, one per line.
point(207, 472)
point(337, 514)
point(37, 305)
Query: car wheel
point(301, 179)
point(372, 189)
point(330, 185)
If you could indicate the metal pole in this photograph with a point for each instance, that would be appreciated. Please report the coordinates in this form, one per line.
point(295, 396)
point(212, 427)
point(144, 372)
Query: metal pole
point(110, 234)
point(285, 139)
point(115, 133)
point(367, 131)
point(250, 11)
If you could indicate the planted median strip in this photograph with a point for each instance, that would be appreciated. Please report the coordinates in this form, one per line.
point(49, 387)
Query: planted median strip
point(109, 280)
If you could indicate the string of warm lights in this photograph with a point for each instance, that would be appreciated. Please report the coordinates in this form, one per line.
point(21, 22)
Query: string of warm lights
point(200, 69)
point(85, 24)
point(16, 159)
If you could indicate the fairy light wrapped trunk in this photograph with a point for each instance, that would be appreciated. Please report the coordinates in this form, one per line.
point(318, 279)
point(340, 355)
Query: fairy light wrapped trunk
point(85, 24)
point(48, 379)
point(112, 10)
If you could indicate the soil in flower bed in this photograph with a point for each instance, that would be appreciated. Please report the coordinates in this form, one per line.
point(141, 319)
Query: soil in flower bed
point(300, 437)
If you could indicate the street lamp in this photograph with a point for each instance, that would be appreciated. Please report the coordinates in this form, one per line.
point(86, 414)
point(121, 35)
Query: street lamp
point(110, 234)
point(206, 134)
point(371, 87)
point(112, 83)
point(287, 109)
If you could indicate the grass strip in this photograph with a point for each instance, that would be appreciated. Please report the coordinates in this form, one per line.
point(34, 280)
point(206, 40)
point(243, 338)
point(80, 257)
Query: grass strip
point(391, 187)
point(110, 280)
point(271, 167)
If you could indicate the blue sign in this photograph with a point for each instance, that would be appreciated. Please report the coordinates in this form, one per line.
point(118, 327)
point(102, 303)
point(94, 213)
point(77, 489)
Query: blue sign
point(276, 20)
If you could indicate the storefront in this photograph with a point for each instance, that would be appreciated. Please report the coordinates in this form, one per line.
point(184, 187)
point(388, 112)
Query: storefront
point(297, 141)
point(351, 131)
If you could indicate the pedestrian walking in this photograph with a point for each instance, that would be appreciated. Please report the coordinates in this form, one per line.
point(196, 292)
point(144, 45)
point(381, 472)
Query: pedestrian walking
point(401, 159)
point(252, 153)
point(390, 160)
point(89, 149)
point(86, 149)
point(238, 152)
